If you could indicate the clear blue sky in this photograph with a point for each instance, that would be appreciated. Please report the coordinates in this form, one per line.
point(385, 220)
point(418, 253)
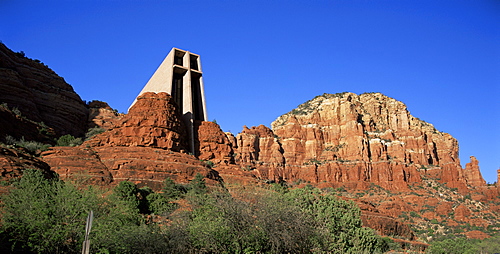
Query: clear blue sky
point(263, 58)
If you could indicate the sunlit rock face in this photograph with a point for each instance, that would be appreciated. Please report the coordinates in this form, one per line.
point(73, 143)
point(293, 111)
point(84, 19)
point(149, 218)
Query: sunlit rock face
point(353, 139)
point(145, 146)
point(153, 121)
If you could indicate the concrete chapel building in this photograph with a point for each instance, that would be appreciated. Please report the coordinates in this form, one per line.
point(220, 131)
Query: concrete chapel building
point(180, 76)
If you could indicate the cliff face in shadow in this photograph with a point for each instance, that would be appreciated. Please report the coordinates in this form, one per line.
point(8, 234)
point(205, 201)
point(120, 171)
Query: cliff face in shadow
point(40, 95)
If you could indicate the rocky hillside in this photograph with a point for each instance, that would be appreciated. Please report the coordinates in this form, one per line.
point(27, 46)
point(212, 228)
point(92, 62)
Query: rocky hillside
point(354, 139)
point(403, 173)
point(145, 147)
point(370, 148)
point(39, 94)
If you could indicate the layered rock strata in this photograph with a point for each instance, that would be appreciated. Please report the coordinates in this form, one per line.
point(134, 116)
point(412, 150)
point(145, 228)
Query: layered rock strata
point(212, 143)
point(350, 139)
point(101, 115)
point(145, 146)
point(40, 94)
point(110, 165)
point(472, 173)
point(153, 121)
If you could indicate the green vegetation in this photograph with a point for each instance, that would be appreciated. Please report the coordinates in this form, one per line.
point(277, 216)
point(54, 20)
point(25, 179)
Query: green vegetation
point(93, 131)
point(69, 140)
point(307, 107)
point(32, 147)
point(41, 215)
point(465, 246)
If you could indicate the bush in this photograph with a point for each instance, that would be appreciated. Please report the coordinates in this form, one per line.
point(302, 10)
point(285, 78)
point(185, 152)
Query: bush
point(48, 216)
point(16, 111)
point(45, 215)
point(452, 246)
point(68, 140)
point(93, 131)
point(197, 185)
point(414, 214)
point(338, 223)
point(158, 204)
point(32, 146)
point(171, 190)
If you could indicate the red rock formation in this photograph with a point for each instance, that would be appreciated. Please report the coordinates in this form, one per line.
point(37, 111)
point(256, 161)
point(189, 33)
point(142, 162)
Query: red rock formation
point(141, 165)
point(258, 148)
point(40, 94)
point(212, 143)
point(472, 173)
point(101, 115)
point(142, 146)
point(475, 234)
point(153, 121)
point(386, 225)
point(366, 141)
point(14, 161)
point(20, 127)
point(348, 138)
point(78, 164)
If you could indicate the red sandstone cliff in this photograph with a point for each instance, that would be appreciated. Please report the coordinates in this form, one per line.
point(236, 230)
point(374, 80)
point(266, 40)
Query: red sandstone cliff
point(472, 173)
point(351, 139)
point(40, 94)
point(101, 115)
point(371, 144)
point(153, 121)
point(143, 147)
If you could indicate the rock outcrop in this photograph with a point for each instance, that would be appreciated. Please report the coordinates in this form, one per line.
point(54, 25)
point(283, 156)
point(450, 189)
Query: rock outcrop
point(145, 147)
point(472, 173)
point(153, 121)
point(110, 165)
point(40, 94)
point(20, 127)
point(101, 115)
point(350, 139)
point(372, 148)
point(212, 143)
point(13, 162)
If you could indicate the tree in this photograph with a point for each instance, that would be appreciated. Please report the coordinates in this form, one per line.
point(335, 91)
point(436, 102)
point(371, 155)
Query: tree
point(197, 185)
point(172, 191)
point(338, 223)
point(127, 192)
point(45, 215)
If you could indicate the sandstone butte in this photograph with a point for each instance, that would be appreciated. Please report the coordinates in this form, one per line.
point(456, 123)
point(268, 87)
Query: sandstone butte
point(367, 148)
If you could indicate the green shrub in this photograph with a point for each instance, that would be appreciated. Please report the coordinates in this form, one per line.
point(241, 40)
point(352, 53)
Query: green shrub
point(93, 131)
point(48, 216)
point(197, 185)
point(452, 246)
point(69, 140)
point(32, 146)
point(171, 190)
point(414, 214)
point(45, 215)
point(16, 111)
point(209, 164)
point(158, 204)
